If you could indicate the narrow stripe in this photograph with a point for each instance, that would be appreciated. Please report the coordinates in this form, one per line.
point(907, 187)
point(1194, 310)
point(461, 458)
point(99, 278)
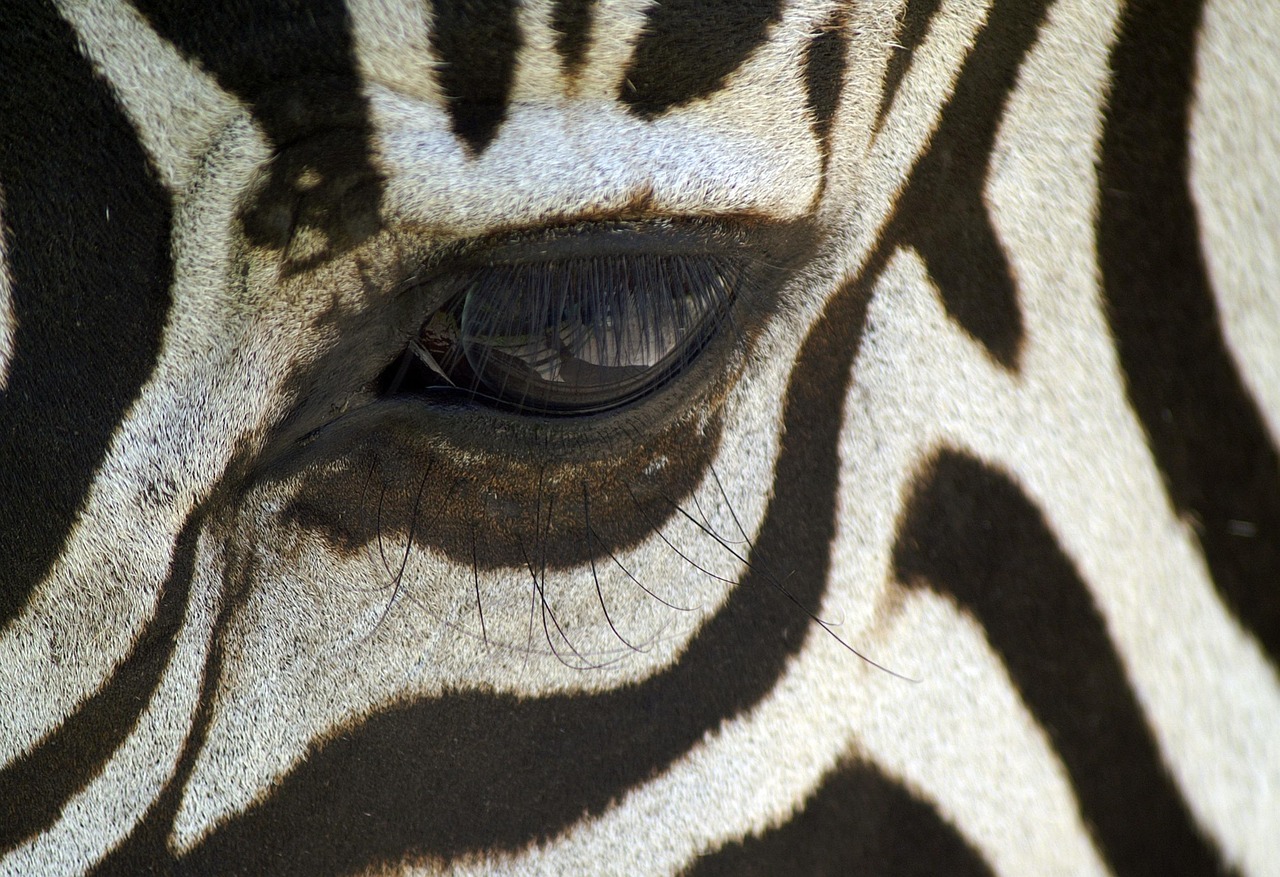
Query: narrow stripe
point(35, 788)
point(477, 42)
point(297, 74)
point(1219, 465)
point(969, 532)
point(912, 30)
point(87, 237)
point(825, 57)
point(688, 48)
point(857, 822)
point(571, 20)
point(146, 850)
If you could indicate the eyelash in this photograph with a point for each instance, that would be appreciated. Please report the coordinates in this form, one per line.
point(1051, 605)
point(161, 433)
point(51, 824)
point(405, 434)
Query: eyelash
point(576, 335)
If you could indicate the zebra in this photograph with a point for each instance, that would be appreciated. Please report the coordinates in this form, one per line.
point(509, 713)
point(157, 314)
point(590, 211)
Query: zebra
point(692, 436)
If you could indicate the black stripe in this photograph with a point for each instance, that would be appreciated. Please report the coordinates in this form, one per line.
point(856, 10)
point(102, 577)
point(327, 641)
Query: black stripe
point(857, 822)
point(970, 533)
point(825, 57)
point(474, 771)
point(477, 42)
point(35, 787)
point(571, 20)
point(1219, 465)
point(88, 248)
point(146, 849)
point(942, 211)
point(911, 33)
point(296, 71)
point(688, 48)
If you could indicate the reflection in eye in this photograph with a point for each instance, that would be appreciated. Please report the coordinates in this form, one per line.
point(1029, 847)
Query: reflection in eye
point(576, 335)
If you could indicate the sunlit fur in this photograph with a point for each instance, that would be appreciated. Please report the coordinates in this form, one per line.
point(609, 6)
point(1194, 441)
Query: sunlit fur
point(290, 636)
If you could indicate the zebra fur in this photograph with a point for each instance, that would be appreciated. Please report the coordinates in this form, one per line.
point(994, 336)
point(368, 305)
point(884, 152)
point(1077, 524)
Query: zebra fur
point(955, 548)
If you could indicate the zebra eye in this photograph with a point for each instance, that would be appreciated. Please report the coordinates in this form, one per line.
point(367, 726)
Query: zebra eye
point(579, 335)
point(568, 333)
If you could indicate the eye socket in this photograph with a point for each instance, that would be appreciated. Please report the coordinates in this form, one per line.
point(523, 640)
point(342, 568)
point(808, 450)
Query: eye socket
point(572, 335)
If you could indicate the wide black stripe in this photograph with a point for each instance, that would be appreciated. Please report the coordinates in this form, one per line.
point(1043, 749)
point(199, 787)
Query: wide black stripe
point(571, 20)
point(824, 63)
point(474, 770)
point(688, 48)
point(295, 69)
point(477, 42)
point(911, 33)
point(35, 788)
point(857, 822)
point(1219, 465)
point(942, 212)
point(87, 242)
point(969, 532)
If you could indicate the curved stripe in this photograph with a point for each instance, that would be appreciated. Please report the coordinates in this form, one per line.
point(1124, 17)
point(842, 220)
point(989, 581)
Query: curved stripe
point(857, 822)
point(90, 273)
point(688, 48)
point(942, 212)
point(1220, 468)
point(297, 74)
point(970, 532)
point(475, 771)
point(35, 788)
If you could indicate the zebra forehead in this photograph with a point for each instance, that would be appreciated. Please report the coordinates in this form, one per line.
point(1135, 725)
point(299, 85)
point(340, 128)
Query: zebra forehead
point(473, 114)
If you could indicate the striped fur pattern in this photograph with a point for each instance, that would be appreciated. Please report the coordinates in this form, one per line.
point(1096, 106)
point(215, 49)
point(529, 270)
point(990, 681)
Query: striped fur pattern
point(955, 548)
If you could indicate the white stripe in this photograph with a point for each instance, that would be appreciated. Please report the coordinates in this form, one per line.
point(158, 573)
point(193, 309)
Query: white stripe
point(175, 107)
point(1235, 175)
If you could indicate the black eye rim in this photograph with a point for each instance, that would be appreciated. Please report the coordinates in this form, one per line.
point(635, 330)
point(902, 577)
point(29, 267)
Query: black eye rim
point(758, 254)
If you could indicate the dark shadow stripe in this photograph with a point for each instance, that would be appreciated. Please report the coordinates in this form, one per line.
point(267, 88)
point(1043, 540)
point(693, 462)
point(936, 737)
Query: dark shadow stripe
point(571, 20)
point(825, 57)
point(688, 48)
point(1219, 465)
point(35, 788)
point(943, 212)
point(88, 248)
point(970, 533)
point(294, 67)
point(912, 30)
point(476, 771)
point(477, 42)
point(857, 822)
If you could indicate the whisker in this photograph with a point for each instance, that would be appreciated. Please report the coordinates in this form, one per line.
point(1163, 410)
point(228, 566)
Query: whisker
point(658, 531)
point(782, 589)
point(586, 514)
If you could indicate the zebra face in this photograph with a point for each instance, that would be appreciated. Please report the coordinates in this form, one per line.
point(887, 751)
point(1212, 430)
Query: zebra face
point(590, 437)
